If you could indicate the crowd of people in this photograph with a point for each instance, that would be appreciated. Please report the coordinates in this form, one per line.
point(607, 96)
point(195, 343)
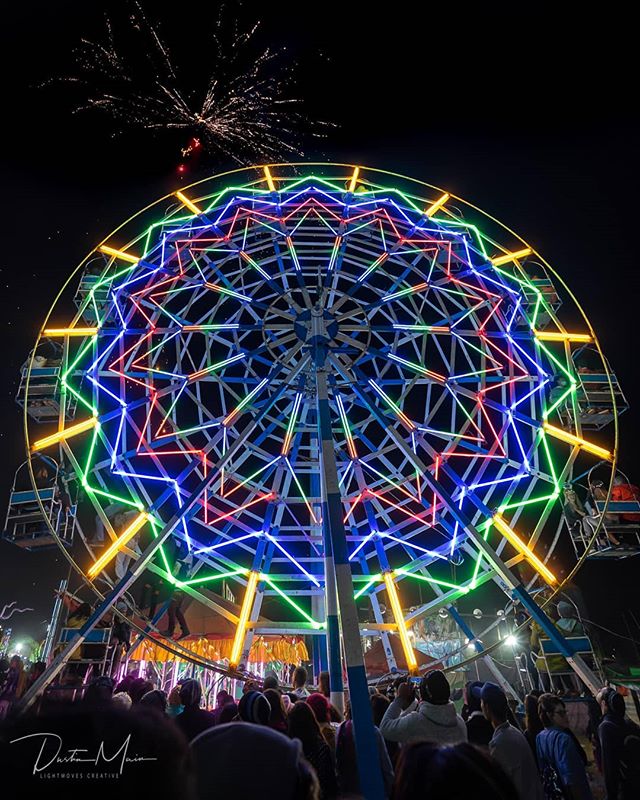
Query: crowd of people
point(292, 743)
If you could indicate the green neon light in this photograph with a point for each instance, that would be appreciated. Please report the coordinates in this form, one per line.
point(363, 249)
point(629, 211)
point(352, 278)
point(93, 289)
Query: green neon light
point(373, 579)
point(292, 603)
point(232, 574)
point(447, 584)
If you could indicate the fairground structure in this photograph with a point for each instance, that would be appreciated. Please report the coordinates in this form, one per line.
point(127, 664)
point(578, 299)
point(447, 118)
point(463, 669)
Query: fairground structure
point(326, 386)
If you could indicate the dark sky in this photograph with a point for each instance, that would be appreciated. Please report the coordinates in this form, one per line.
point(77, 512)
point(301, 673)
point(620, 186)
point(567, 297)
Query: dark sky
point(532, 119)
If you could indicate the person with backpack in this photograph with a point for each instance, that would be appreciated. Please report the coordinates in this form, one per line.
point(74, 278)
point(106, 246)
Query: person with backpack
point(562, 767)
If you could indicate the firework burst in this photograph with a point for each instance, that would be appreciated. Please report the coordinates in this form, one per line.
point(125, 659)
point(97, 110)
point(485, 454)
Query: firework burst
point(242, 109)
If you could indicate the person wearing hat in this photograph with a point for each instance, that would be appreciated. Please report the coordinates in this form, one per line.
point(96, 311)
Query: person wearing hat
point(277, 769)
point(435, 719)
point(192, 720)
point(479, 729)
point(509, 746)
point(254, 707)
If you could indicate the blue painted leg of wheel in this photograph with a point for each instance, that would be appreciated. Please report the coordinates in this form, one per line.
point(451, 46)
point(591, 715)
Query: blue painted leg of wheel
point(371, 784)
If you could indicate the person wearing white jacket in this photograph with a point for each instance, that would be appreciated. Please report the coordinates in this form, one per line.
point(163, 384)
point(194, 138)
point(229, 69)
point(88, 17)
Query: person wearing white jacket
point(435, 719)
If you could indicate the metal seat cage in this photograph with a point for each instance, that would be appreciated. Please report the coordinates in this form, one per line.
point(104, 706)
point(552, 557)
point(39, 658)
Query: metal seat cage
point(25, 523)
point(579, 644)
point(43, 399)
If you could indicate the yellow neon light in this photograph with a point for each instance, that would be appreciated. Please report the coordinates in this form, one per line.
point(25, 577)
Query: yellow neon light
point(65, 433)
point(270, 183)
point(70, 331)
point(188, 203)
point(354, 180)
point(559, 336)
point(507, 257)
point(111, 251)
point(119, 543)
point(247, 603)
point(437, 205)
point(512, 537)
point(569, 438)
point(392, 591)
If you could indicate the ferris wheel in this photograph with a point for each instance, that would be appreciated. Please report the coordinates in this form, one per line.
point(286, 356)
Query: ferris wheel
point(327, 386)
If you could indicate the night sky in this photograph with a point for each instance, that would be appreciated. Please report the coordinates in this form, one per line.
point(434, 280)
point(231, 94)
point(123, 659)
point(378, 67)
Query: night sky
point(533, 120)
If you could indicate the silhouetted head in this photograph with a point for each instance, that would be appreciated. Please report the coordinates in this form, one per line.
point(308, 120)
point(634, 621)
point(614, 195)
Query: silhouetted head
point(494, 703)
point(320, 706)
point(435, 688)
point(449, 773)
point(270, 681)
point(299, 677)
point(190, 693)
point(254, 707)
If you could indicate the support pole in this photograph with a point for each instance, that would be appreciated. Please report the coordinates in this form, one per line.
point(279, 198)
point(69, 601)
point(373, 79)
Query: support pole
point(319, 644)
point(334, 655)
point(371, 784)
point(490, 663)
point(53, 624)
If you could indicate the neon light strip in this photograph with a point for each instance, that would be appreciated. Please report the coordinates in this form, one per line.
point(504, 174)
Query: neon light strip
point(334, 252)
point(291, 558)
point(247, 603)
point(304, 497)
point(286, 444)
point(354, 180)
point(230, 326)
point(244, 402)
point(230, 574)
point(228, 541)
point(569, 438)
point(188, 203)
point(369, 583)
point(362, 544)
point(392, 593)
point(253, 264)
point(286, 597)
point(70, 331)
point(424, 578)
point(403, 417)
point(403, 292)
point(353, 506)
point(351, 447)
point(558, 336)
point(437, 205)
point(241, 508)
point(119, 543)
point(195, 375)
point(270, 183)
point(66, 433)
point(418, 368)
point(408, 543)
point(111, 251)
point(294, 255)
point(423, 328)
point(512, 537)
point(498, 261)
point(251, 477)
point(380, 260)
point(230, 292)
